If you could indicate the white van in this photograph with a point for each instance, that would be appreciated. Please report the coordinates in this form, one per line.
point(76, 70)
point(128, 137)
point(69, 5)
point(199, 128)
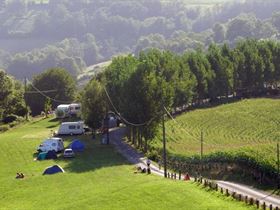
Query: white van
point(71, 128)
point(62, 111)
point(53, 143)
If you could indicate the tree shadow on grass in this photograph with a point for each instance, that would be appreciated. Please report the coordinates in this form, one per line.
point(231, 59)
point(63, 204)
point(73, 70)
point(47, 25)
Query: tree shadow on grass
point(95, 156)
point(54, 120)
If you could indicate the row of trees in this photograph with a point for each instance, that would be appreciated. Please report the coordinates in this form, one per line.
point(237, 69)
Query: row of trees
point(139, 87)
point(46, 91)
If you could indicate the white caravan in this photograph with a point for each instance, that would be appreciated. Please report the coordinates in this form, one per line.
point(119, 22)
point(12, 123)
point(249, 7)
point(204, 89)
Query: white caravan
point(75, 109)
point(62, 111)
point(53, 143)
point(71, 128)
point(67, 110)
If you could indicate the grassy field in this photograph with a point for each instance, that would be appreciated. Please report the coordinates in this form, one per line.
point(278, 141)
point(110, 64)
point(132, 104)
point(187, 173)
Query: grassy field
point(249, 126)
point(98, 178)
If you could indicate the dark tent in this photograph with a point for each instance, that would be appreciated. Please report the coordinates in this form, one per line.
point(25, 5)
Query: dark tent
point(53, 170)
point(51, 155)
point(77, 146)
point(42, 156)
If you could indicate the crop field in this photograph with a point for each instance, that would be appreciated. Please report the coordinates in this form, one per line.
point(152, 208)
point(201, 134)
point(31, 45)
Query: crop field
point(249, 126)
point(98, 178)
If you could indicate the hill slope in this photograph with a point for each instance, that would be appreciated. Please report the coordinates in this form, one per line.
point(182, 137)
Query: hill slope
point(249, 126)
point(98, 178)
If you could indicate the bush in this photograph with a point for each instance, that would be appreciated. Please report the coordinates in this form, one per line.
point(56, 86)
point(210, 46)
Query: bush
point(4, 128)
point(9, 118)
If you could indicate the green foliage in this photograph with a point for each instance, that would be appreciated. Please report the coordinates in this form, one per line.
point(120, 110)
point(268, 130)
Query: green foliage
point(61, 84)
point(9, 119)
point(95, 31)
point(47, 106)
point(94, 104)
point(11, 96)
point(4, 128)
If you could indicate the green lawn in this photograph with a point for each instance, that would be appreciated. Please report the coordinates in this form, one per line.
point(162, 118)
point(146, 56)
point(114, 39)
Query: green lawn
point(98, 178)
point(249, 126)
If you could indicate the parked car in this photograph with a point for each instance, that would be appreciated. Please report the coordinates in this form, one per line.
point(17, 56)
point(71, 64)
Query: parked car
point(68, 153)
point(54, 143)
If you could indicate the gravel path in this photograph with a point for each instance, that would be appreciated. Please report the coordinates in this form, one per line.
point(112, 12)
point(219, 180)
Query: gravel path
point(137, 158)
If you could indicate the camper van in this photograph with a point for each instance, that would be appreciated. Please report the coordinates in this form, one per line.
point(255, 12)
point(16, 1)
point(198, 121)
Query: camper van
point(62, 111)
point(71, 128)
point(53, 143)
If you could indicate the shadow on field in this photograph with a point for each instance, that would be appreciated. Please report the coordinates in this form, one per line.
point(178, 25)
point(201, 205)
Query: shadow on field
point(54, 120)
point(95, 155)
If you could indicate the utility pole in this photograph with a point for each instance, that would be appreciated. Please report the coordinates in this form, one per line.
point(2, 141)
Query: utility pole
point(201, 145)
point(107, 127)
point(108, 135)
point(25, 88)
point(278, 167)
point(164, 143)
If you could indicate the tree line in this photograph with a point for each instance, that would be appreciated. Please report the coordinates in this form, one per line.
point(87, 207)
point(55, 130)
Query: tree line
point(137, 87)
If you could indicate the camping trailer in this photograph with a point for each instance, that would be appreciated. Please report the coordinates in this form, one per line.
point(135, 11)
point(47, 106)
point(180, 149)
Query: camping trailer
point(71, 128)
point(54, 143)
point(75, 109)
point(62, 111)
point(67, 110)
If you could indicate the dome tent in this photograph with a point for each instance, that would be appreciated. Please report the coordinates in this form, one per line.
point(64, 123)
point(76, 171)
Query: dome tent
point(51, 155)
point(42, 156)
point(53, 170)
point(77, 146)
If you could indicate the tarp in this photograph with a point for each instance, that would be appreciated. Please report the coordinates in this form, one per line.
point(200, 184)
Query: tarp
point(77, 146)
point(42, 156)
point(53, 170)
point(51, 155)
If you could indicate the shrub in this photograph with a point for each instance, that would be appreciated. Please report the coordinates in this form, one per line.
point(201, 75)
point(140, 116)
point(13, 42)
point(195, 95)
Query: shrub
point(4, 128)
point(9, 118)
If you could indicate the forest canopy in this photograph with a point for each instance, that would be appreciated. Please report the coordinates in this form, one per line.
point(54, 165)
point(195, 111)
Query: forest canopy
point(71, 34)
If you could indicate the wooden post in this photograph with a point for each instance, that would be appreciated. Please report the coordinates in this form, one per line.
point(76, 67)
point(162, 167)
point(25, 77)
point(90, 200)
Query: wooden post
point(205, 183)
point(264, 206)
point(222, 191)
point(251, 202)
point(270, 207)
point(239, 197)
point(246, 199)
point(258, 204)
point(277, 208)
point(216, 187)
point(180, 175)
point(227, 194)
point(168, 175)
point(278, 167)
point(164, 142)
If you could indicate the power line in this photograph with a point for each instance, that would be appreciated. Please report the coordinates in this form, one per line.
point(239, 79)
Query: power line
point(43, 91)
point(43, 94)
point(125, 120)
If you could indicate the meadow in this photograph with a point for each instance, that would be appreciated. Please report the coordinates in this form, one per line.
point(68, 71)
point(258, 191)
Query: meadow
point(98, 178)
point(248, 127)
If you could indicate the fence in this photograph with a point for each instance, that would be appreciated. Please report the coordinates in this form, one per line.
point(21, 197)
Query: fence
point(214, 186)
